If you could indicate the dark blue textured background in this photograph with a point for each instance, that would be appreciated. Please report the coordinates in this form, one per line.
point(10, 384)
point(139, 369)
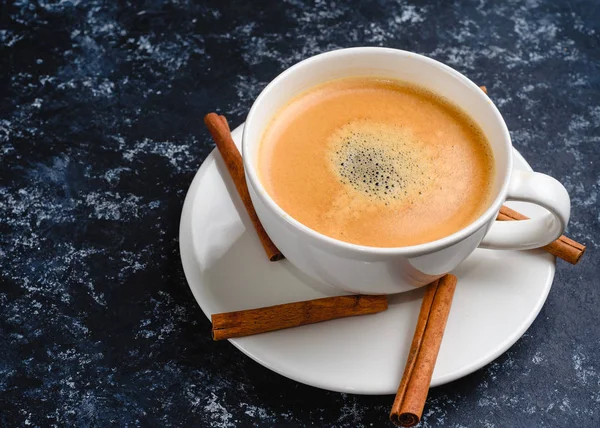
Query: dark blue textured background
point(101, 133)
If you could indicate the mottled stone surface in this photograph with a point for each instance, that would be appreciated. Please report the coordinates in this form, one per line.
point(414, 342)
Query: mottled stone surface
point(100, 132)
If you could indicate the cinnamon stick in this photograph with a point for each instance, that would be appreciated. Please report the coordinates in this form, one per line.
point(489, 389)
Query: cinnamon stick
point(219, 129)
point(484, 89)
point(564, 247)
point(414, 386)
point(254, 321)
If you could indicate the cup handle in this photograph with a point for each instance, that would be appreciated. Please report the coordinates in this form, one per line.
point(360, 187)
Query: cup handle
point(539, 189)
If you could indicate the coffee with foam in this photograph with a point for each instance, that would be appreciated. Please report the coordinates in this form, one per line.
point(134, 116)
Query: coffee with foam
point(379, 160)
point(376, 162)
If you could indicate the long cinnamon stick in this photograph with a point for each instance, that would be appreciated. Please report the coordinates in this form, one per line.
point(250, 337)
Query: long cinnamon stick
point(219, 129)
point(564, 247)
point(253, 321)
point(414, 386)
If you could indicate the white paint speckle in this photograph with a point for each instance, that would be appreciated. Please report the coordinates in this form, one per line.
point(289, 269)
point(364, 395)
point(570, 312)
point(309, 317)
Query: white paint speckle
point(409, 14)
point(219, 415)
point(538, 358)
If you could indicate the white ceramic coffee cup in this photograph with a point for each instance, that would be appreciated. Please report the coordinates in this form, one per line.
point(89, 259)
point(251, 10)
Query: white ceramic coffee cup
point(363, 269)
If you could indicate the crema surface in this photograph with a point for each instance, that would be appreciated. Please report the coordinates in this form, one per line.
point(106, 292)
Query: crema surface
point(376, 162)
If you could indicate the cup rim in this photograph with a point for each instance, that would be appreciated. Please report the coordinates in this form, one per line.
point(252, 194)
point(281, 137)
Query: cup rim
point(412, 250)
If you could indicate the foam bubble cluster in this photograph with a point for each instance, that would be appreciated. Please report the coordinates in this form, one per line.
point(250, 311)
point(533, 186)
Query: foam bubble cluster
point(378, 160)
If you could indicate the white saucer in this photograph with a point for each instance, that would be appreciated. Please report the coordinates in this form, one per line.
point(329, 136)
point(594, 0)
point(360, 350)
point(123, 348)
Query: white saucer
point(499, 294)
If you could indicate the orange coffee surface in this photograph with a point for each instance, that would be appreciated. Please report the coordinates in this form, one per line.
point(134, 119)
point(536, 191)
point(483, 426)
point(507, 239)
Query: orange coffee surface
point(376, 162)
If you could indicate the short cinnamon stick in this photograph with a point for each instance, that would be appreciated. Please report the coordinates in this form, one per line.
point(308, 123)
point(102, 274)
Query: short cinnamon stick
point(484, 89)
point(219, 129)
point(564, 247)
point(414, 386)
point(254, 321)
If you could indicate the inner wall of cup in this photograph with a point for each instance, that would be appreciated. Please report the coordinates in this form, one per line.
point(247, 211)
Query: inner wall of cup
point(385, 63)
